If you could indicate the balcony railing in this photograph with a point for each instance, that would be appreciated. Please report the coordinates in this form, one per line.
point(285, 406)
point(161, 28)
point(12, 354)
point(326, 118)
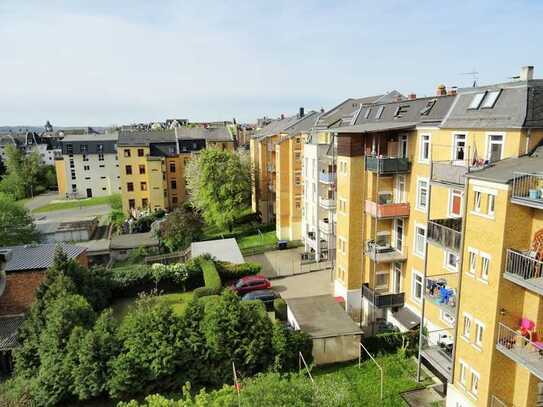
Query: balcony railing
point(449, 172)
point(391, 210)
point(326, 227)
point(445, 233)
point(326, 203)
point(327, 177)
point(437, 349)
point(384, 253)
point(441, 291)
point(496, 402)
point(524, 270)
point(520, 349)
point(528, 190)
point(383, 300)
point(388, 165)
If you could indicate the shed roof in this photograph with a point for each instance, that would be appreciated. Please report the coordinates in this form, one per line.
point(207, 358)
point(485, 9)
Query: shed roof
point(222, 249)
point(38, 256)
point(8, 331)
point(133, 241)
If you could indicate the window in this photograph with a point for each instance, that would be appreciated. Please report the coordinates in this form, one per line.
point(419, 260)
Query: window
point(297, 179)
point(425, 148)
point(466, 328)
point(379, 113)
point(491, 99)
point(422, 195)
point(446, 317)
point(472, 262)
point(459, 149)
point(455, 203)
point(451, 260)
point(83, 148)
point(420, 241)
point(416, 286)
point(479, 331)
point(172, 167)
point(463, 375)
point(476, 101)
point(128, 170)
point(342, 205)
point(174, 200)
point(127, 152)
point(173, 184)
point(130, 186)
point(477, 202)
point(143, 186)
point(69, 149)
point(72, 164)
point(86, 167)
point(401, 110)
point(485, 265)
point(140, 152)
point(342, 245)
point(85, 157)
point(72, 173)
point(491, 204)
point(99, 148)
point(368, 112)
point(144, 203)
point(132, 204)
point(142, 168)
point(426, 109)
point(495, 148)
point(381, 280)
point(474, 388)
point(74, 188)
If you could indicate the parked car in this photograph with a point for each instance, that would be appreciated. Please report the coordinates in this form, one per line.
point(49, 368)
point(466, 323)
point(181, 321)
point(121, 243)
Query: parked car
point(266, 296)
point(251, 283)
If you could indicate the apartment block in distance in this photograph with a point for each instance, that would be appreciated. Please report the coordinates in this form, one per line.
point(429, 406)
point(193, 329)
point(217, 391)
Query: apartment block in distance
point(88, 166)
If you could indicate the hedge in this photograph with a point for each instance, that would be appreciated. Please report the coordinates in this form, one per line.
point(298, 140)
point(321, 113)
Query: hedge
point(248, 232)
point(201, 292)
point(230, 271)
point(280, 307)
point(211, 275)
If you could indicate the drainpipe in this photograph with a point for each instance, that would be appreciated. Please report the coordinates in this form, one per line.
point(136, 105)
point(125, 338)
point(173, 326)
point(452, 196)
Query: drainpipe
point(528, 137)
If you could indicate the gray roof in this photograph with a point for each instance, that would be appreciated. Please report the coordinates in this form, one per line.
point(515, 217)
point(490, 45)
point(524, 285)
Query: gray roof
point(113, 136)
point(145, 138)
point(8, 331)
point(520, 104)
point(503, 171)
point(303, 124)
point(322, 317)
point(407, 318)
point(221, 249)
point(208, 134)
point(376, 127)
point(49, 227)
point(275, 127)
point(38, 256)
point(133, 241)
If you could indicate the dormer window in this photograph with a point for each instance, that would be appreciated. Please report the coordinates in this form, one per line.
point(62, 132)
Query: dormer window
point(490, 99)
point(426, 109)
point(368, 112)
point(476, 101)
point(379, 112)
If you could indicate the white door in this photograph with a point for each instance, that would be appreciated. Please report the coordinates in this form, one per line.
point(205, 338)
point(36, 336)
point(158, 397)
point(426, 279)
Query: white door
point(398, 233)
point(397, 278)
point(459, 149)
point(402, 153)
point(399, 196)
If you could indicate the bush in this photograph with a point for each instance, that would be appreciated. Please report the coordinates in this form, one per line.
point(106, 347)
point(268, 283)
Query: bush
point(287, 344)
point(392, 342)
point(280, 307)
point(230, 271)
point(201, 292)
point(211, 275)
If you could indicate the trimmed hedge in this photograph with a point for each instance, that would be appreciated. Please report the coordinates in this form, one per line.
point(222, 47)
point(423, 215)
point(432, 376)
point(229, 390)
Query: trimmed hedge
point(391, 342)
point(248, 232)
point(201, 292)
point(280, 307)
point(230, 271)
point(211, 275)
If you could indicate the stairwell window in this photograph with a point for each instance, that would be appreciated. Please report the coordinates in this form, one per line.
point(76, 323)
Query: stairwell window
point(472, 258)
point(463, 375)
point(485, 266)
point(422, 194)
point(491, 204)
point(420, 241)
point(424, 153)
point(466, 327)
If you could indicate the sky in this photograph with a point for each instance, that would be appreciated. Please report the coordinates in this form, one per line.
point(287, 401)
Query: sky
point(98, 62)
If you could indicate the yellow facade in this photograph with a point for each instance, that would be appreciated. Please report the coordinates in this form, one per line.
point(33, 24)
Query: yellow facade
point(263, 158)
point(61, 177)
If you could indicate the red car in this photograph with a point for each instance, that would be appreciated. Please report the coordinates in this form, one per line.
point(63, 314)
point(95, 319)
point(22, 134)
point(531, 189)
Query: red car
point(251, 283)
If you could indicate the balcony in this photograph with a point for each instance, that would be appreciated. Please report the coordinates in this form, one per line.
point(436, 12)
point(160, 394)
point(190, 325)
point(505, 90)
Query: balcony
point(327, 177)
point(496, 402)
point(437, 350)
point(271, 168)
point(528, 190)
point(520, 349)
point(524, 270)
point(440, 291)
point(327, 203)
point(449, 172)
point(445, 233)
point(388, 165)
point(384, 253)
point(383, 300)
point(326, 227)
point(387, 210)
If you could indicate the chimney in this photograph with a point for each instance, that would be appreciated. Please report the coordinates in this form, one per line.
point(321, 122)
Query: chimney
point(412, 96)
point(527, 73)
point(452, 91)
point(282, 116)
point(301, 112)
point(441, 90)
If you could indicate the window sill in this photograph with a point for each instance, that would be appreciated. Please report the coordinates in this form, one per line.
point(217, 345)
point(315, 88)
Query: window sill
point(421, 210)
point(482, 281)
point(465, 339)
point(477, 348)
point(482, 215)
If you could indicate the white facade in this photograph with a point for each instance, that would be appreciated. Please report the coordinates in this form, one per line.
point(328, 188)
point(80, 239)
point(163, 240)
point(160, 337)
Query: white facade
point(47, 157)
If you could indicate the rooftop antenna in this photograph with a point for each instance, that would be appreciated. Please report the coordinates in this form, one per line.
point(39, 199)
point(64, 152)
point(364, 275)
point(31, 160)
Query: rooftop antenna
point(474, 75)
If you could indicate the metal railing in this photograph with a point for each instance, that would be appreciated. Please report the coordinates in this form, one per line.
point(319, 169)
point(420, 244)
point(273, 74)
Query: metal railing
point(388, 165)
point(326, 227)
point(388, 300)
point(445, 233)
point(327, 203)
point(441, 291)
point(327, 177)
point(385, 253)
point(437, 348)
point(520, 349)
point(388, 210)
point(528, 189)
point(523, 268)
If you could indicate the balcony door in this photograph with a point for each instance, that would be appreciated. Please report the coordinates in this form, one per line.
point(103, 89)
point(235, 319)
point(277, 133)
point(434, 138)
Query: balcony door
point(402, 147)
point(459, 149)
point(400, 189)
point(398, 233)
point(396, 278)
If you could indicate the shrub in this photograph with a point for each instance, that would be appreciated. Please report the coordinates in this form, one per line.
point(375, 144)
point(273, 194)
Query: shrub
point(287, 344)
point(201, 292)
point(280, 307)
point(230, 271)
point(391, 342)
point(211, 275)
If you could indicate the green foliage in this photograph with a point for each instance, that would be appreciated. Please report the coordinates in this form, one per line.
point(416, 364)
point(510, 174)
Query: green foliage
point(16, 223)
point(230, 271)
point(287, 344)
point(47, 178)
point(280, 308)
point(143, 223)
point(211, 275)
point(22, 173)
point(391, 342)
point(220, 185)
point(205, 291)
point(181, 228)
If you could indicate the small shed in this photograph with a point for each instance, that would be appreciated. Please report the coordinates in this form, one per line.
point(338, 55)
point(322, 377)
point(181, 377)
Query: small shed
point(121, 245)
point(222, 249)
point(336, 337)
point(69, 231)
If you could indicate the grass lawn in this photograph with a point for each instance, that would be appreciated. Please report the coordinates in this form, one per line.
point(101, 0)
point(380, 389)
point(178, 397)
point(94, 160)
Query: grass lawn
point(258, 240)
point(364, 382)
point(74, 203)
point(178, 302)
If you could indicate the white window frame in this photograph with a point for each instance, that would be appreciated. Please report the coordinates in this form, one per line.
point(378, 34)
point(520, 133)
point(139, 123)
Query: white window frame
point(452, 193)
point(479, 334)
point(446, 263)
point(420, 180)
point(472, 268)
point(488, 143)
point(414, 275)
point(465, 317)
point(422, 254)
point(425, 139)
point(477, 376)
point(484, 276)
point(455, 140)
point(491, 200)
point(463, 376)
point(491, 96)
point(477, 199)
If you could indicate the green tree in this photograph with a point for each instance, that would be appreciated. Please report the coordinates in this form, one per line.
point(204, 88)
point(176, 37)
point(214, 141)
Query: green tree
point(181, 228)
point(23, 173)
point(16, 223)
point(220, 185)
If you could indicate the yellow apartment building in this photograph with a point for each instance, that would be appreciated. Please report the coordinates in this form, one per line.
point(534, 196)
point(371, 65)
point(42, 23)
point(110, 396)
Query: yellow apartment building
point(152, 164)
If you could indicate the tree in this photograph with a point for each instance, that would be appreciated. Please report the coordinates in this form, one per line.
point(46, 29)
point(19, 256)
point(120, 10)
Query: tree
point(16, 223)
point(181, 228)
point(24, 173)
point(220, 185)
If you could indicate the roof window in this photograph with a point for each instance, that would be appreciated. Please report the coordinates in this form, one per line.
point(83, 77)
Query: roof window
point(476, 101)
point(426, 109)
point(400, 110)
point(490, 99)
point(379, 112)
point(368, 112)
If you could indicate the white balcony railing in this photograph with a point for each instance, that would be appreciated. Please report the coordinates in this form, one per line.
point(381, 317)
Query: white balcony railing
point(524, 270)
point(326, 227)
point(327, 177)
point(528, 190)
point(385, 253)
point(327, 203)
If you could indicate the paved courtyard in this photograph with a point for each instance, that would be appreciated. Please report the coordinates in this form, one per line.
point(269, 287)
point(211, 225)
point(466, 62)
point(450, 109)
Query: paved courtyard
point(304, 285)
point(282, 263)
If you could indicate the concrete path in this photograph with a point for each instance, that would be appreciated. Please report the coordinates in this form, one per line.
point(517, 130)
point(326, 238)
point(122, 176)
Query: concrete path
point(304, 285)
point(73, 214)
point(41, 200)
